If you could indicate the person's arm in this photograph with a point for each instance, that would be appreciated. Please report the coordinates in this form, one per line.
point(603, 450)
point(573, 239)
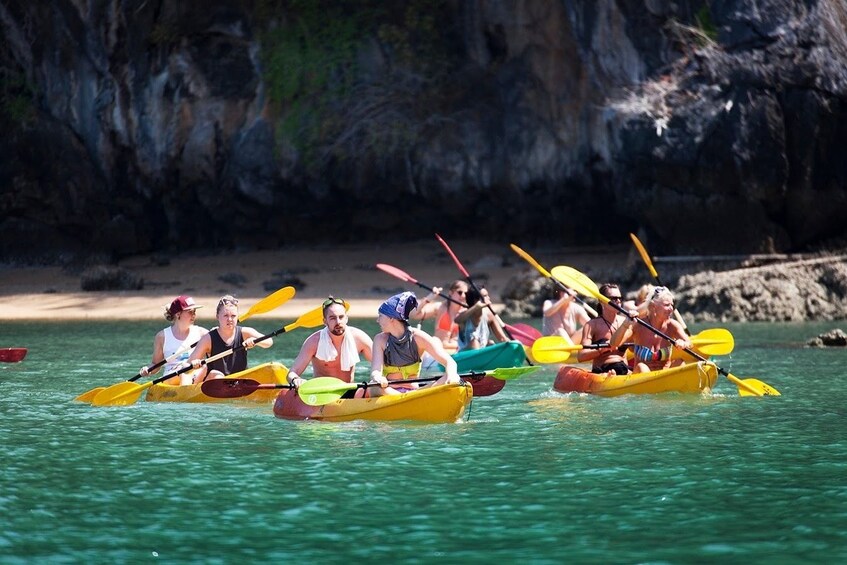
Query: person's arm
point(250, 336)
point(496, 329)
point(364, 343)
point(550, 307)
point(378, 360)
point(304, 357)
point(463, 316)
point(158, 354)
point(428, 305)
point(433, 346)
point(587, 354)
point(622, 334)
point(677, 331)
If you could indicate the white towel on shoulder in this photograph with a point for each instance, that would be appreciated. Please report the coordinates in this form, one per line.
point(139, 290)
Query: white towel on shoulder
point(327, 352)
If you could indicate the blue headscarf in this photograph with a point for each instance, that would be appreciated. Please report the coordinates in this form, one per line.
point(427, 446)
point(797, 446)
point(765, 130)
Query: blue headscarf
point(399, 306)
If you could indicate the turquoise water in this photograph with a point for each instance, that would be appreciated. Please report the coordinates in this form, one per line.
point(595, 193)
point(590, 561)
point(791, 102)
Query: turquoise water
point(531, 476)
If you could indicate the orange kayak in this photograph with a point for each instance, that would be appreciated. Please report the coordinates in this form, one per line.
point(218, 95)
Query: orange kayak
point(688, 378)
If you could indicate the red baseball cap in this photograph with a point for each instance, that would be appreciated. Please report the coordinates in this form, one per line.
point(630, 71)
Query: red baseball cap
point(182, 302)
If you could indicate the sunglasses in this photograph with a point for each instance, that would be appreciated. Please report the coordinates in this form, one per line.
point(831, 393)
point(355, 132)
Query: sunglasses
point(330, 301)
point(616, 299)
point(228, 300)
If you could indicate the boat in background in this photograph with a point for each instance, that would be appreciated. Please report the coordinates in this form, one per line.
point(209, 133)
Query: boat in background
point(266, 373)
point(687, 378)
point(12, 354)
point(498, 356)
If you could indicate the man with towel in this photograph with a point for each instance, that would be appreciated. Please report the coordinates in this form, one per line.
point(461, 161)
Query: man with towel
point(334, 350)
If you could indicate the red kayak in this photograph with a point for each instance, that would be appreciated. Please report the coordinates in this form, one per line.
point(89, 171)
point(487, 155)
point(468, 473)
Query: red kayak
point(12, 354)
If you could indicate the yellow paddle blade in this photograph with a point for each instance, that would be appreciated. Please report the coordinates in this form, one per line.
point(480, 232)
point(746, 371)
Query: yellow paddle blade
point(751, 387)
point(528, 258)
point(555, 343)
point(88, 396)
point(572, 278)
point(550, 356)
point(311, 319)
point(121, 394)
point(644, 256)
point(269, 302)
point(323, 390)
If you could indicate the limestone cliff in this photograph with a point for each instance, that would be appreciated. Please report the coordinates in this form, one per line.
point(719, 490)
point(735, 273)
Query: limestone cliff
point(133, 126)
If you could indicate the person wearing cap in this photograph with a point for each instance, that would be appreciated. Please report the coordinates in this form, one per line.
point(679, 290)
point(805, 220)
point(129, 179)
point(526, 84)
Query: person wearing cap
point(398, 348)
point(228, 336)
point(333, 350)
point(175, 342)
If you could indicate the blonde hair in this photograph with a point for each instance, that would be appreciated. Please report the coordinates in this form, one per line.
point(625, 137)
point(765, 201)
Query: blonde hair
point(644, 293)
point(226, 300)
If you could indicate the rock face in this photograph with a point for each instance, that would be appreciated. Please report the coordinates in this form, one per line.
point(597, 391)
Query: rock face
point(138, 126)
point(807, 290)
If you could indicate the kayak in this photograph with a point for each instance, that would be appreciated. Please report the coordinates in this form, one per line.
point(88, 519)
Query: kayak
point(688, 378)
point(12, 354)
point(437, 404)
point(267, 373)
point(497, 356)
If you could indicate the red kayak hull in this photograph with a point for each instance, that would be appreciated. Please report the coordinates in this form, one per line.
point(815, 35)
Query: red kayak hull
point(12, 354)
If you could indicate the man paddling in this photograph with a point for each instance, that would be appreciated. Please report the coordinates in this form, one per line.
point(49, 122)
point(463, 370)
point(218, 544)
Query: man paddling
point(599, 331)
point(334, 350)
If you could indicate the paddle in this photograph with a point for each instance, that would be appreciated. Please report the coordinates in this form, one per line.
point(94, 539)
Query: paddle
point(236, 388)
point(126, 393)
point(266, 304)
point(323, 390)
point(468, 278)
point(545, 273)
point(522, 335)
point(647, 261)
point(585, 286)
point(557, 349)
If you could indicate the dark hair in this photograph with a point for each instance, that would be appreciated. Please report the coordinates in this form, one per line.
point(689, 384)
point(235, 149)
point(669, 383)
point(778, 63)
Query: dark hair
point(604, 290)
point(472, 297)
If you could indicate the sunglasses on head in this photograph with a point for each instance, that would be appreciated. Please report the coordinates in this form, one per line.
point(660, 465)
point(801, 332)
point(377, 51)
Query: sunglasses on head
point(330, 301)
point(228, 300)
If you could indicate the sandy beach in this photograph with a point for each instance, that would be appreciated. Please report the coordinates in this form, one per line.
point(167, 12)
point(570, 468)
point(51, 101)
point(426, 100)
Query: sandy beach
point(348, 271)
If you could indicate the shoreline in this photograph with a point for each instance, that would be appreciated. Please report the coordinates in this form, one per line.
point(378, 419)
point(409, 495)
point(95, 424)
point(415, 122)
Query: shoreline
point(345, 271)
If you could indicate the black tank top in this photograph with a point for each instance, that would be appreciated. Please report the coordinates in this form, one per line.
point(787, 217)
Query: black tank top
point(231, 363)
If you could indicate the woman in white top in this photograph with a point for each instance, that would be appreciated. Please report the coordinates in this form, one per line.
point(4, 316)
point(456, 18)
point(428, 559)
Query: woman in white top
point(175, 343)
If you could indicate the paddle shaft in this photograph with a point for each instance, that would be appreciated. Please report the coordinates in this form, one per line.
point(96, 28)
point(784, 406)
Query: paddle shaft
point(406, 277)
point(649, 262)
point(529, 259)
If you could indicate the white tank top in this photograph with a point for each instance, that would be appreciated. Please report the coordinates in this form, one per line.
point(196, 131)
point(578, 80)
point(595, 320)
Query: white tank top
point(172, 345)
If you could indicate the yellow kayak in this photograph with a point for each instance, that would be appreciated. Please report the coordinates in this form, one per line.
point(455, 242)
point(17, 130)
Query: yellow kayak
point(267, 373)
point(437, 404)
point(688, 378)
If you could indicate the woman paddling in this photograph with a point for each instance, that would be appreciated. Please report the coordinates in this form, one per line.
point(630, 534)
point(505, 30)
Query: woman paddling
point(651, 351)
point(398, 348)
point(175, 342)
point(227, 335)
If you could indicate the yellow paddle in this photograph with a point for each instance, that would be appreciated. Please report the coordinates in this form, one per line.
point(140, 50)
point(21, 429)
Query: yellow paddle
point(585, 286)
point(266, 304)
point(126, 393)
point(557, 349)
point(545, 273)
point(647, 261)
